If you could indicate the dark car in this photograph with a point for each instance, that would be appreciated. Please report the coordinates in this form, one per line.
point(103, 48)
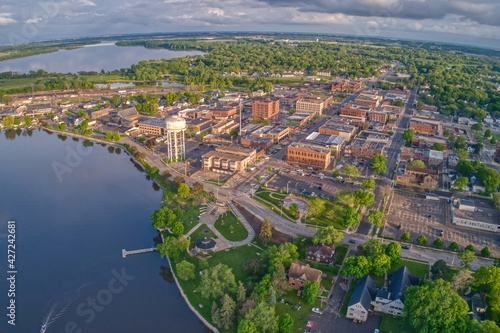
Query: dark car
point(441, 232)
point(429, 216)
point(406, 247)
point(352, 241)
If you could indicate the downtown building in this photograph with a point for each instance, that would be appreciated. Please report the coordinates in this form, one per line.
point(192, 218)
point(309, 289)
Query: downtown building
point(265, 108)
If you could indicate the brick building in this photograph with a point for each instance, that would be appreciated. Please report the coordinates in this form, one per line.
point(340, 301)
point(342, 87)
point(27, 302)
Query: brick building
point(152, 126)
point(426, 177)
point(275, 133)
point(256, 142)
point(324, 254)
point(221, 112)
point(202, 124)
point(366, 148)
point(424, 126)
point(378, 116)
point(313, 104)
point(334, 127)
point(265, 108)
point(346, 86)
point(299, 274)
point(308, 154)
point(225, 127)
point(228, 159)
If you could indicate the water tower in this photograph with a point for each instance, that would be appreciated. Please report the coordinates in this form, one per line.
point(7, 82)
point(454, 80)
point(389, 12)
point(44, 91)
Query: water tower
point(176, 126)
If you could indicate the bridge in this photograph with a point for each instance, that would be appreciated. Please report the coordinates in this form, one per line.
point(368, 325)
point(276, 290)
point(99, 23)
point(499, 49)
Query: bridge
point(126, 253)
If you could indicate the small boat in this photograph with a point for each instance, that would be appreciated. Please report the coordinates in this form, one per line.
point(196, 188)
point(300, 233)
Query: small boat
point(43, 328)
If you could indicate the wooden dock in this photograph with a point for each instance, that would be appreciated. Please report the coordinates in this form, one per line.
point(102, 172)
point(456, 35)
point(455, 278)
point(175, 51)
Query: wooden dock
point(126, 253)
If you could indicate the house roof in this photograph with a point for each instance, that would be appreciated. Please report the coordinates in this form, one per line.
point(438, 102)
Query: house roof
point(299, 270)
point(326, 250)
point(127, 112)
point(400, 281)
point(475, 301)
point(364, 292)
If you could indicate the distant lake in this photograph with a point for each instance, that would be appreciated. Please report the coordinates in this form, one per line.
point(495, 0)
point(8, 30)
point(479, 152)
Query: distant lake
point(91, 58)
point(77, 205)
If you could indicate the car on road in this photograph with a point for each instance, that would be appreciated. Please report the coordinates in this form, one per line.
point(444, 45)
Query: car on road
point(406, 247)
point(317, 310)
point(352, 241)
point(441, 232)
point(429, 216)
point(376, 331)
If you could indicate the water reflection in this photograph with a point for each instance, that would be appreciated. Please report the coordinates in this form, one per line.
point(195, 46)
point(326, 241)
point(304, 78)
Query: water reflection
point(156, 187)
point(10, 134)
point(111, 149)
point(118, 151)
point(166, 274)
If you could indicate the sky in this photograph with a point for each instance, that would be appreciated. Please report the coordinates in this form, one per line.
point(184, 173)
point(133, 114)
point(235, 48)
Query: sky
point(473, 22)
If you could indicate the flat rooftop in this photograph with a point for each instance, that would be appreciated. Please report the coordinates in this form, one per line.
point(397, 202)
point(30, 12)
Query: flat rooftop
point(153, 122)
point(310, 147)
point(332, 140)
point(224, 156)
point(484, 214)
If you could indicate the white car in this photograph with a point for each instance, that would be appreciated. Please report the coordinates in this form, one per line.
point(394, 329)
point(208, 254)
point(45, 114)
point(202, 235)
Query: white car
point(317, 310)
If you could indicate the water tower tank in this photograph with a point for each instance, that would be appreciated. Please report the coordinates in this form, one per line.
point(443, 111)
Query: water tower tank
point(176, 123)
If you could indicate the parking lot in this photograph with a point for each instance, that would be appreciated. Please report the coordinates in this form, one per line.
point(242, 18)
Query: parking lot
point(420, 216)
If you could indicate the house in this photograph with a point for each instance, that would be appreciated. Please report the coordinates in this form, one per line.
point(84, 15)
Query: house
point(425, 176)
point(478, 187)
point(366, 298)
point(324, 254)
point(299, 274)
point(477, 305)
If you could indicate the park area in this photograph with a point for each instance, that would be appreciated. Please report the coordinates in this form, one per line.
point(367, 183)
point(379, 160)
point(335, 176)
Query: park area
point(230, 227)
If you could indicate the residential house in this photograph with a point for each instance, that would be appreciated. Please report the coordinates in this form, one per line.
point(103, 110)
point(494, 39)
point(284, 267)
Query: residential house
point(299, 274)
point(425, 176)
point(324, 254)
point(477, 305)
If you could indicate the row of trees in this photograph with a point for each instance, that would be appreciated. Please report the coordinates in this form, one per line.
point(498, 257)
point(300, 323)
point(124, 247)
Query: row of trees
point(374, 257)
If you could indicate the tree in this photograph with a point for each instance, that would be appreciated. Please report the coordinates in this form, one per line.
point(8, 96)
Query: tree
point(198, 188)
point(393, 250)
point(376, 218)
point(477, 149)
point(437, 146)
point(373, 247)
point(485, 326)
point(417, 164)
point(183, 190)
point(357, 265)
point(335, 174)
point(258, 178)
point(368, 183)
point(171, 247)
point(215, 314)
point(435, 307)
point(266, 231)
point(27, 121)
point(61, 126)
point(346, 198)
point(246, 326)
point(446, 132)
point(408, 135)
point(285, 253)
point(278, 279)
point(467, 257)
point(461, 182)
point(496, 199)
point(476, 127)
point(460, 142)
point(310, 292)
point(489, 177)
point(253, 266)
point(422, 240)
point(328, 236)
point(178, 228)
point(271, 297)
point(270, 169)
point(405, 237)
point(227, 311)
point(116, 100)
point(462, 154)
point(380, 263)
point(6, 100)
point(316, 206)
point(440, 270)
point(185, 270)
point(461, 279)
point(438, 242)
point(264, 318)
point(178, 181)
point(350, 218)
point(364, 198)
point(8, 121)
point(379, 164)
point(158, 219)
point(470, 247)
point(351, 171)
point(485, 252)
point(216, 281)
point(241, 294)
point(294, 209)
point(487, 133)
point(454, 247)
point(285, 324)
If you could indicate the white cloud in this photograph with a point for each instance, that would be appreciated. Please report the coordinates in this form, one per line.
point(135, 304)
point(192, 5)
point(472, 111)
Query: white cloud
point(85, 3)
point(34, 20)
point(5, 18)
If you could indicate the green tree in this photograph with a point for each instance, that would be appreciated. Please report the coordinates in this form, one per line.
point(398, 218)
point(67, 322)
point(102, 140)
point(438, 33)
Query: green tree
point(241, 294)
point(183, 190)
point(6, 100)
point(467, 257)
point(246, 326)
point(294, 209)
point(461, 182)
point(216, 315)
point(393, 250)
point(116, 100)
point(437, 146)
point(489, 177)
point(61, 126)
point(373, 247)
point(171, 247)
point(258, 178)
point(335, 174)
point(178, 228)
point(477, 149)
point(158, 219)
point(462, 154)
point(405, 237)
point(440, 270)
point(279, 280)
point(470, 247)
point(116, 137)
point(446, 132)
point(422, 240)
point(285, 253)
point(435, 307)
point(376, 218)
point(379, 164)
point(266, 231)
point(485, 252)
point(368, 183)
point(350, 218)
point(485, 326)
point(270, 169)
point(351, 171)
point(454, 247)
point(27, 121)
point(356, 265)
point(216, 281)
point(460, 142)
point(8, 121)
point(380, 264)
point(185, 270)
point(364, 198)
point(487, 133)
point(438, 242)
point(227, 311)
point(496, 199)
point(408, 135)
point(316, 206)
point(285, 324)
point(264, 318)
point(477, 127)
point(311, 292)
point(417, 164)
point(328, 236)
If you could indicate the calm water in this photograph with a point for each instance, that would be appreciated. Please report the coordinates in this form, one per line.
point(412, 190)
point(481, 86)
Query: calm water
point(71, 227)
point(94, 58)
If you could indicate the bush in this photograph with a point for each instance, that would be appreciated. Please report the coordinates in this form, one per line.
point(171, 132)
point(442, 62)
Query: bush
point(485, 252)
point(470, 247)
point(438, 243)
point(454, 247)
point(422, 240)
point(405, 237)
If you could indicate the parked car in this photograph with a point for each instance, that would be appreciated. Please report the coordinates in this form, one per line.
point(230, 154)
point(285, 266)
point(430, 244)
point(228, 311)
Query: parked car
point(317, 310)
point(406, 247)
point(441, 232)
point(352, 241)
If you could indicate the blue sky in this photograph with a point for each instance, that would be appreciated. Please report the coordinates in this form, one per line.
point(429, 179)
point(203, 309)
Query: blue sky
point(458, 21)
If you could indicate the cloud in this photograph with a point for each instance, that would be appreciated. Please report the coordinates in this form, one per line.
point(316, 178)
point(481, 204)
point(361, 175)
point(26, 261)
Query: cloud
point(5, 18)
point(34, 20)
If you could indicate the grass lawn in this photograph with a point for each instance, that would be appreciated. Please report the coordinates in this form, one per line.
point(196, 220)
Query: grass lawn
point(341, 253)
point(198, 234)
point(394, 325)
point(231, 258)
point(277, 211)
point(231, 223)
point(417, 269)
point(301, 316)
point(16, 83)
point(343, 310)
point(190, 218)
point(379, 280)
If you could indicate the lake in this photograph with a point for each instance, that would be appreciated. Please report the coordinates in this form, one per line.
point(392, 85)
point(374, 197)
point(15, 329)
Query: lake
point(77, 205)
point(90, 58)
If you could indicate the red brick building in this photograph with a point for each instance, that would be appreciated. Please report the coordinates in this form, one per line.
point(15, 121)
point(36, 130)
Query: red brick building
point(220, 112)
point(378, 116)
point(324, 254)
point(346, 85)
point(265, 109)
point(299, 274)
point(424, 126)
point(361, 114)
point(310, 155)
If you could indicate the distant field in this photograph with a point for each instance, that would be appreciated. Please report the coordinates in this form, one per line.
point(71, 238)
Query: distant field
point(15, 83)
